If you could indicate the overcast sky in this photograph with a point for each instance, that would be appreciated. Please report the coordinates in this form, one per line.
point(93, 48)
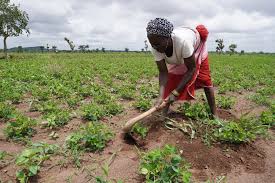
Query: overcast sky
point(120, 24)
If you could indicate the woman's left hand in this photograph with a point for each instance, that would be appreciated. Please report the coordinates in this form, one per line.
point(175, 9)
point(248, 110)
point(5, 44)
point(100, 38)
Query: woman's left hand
point(171, 98)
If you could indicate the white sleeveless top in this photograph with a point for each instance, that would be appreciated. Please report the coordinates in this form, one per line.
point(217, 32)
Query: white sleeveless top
point(185, 43)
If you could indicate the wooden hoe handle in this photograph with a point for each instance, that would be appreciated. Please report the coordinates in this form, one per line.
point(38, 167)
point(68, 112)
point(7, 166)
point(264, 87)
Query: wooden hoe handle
point(128, 126)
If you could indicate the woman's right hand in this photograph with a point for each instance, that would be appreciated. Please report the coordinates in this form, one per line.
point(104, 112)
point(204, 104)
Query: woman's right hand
point(159, 101)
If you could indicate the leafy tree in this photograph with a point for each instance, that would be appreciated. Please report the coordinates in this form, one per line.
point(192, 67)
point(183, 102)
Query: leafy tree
point(13, 21)
point(48, 48)
point(19, 49)
point(242, 52)
point(103, 49)
point(232, 48)
point(54, 48)
point(42, 48)
point(83, 48)
point(219, 48)
point(126, 49)
point(142, 49)
point(71, 43)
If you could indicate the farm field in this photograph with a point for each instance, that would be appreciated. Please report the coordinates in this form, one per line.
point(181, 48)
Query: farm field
point(61, 117)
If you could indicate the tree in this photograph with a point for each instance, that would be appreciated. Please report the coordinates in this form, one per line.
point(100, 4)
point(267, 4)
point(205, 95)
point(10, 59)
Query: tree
point(103, 49)
point(126, 49)
point(83, 48)
point(71, 43)
point(48, 48)
point(54, 48)
point(19, 49)
point(232, 48)
point(146, 45)
point(242, 52)
point(219, 48)
point(13, 22)
point(42, 48)
point(142, 49)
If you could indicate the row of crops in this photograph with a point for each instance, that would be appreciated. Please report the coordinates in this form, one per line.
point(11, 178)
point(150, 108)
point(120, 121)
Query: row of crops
point(93, 87)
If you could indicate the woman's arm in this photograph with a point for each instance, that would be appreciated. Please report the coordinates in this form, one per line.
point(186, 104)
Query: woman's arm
point(191, 68)
point(163, 77)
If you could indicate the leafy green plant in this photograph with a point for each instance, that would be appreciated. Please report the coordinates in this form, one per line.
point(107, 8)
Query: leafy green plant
point(93, 112)
point(140, 130)
point(164, 166)
point(268, 118)
point(30, 160)
point(92, 137)
point(195, 111)
point(3, 154)
point(243, 130)
point(57, 118)
point(6, 111)
point(143, 104)
point(112, 108)
point(225, 102)
point(20, 128)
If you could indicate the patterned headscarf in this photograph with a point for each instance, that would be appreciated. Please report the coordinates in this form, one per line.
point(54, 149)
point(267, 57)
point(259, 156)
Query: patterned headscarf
point(160, 26)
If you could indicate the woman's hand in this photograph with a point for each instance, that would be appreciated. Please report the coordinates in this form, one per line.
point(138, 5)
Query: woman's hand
point(159, 102)
point(171, 98)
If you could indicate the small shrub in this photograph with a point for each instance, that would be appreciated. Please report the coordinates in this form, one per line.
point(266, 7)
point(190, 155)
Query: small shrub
point(164, 165)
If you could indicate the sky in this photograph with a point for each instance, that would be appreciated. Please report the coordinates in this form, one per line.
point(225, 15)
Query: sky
point(120, 24)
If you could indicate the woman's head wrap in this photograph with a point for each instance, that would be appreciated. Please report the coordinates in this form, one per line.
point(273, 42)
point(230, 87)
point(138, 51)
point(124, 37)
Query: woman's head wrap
point(160, 26)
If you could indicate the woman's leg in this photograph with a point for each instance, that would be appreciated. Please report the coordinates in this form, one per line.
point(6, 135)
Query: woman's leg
point(209, 93)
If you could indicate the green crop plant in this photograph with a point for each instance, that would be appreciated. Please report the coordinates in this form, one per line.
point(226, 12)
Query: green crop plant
point(241, 131)
point(195, 111)
point(143, 104)
point(268, 117)
point(141, 130)
point(6, 111)
point(93, 112)
point(112, 108)
point(225, 102)
point(92, 137)
point(30, 160)
point(57, 118)
point(20, 127)
point(164, 166)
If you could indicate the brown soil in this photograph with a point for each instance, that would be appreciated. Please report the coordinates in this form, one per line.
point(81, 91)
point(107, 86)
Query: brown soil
point(253, 162)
